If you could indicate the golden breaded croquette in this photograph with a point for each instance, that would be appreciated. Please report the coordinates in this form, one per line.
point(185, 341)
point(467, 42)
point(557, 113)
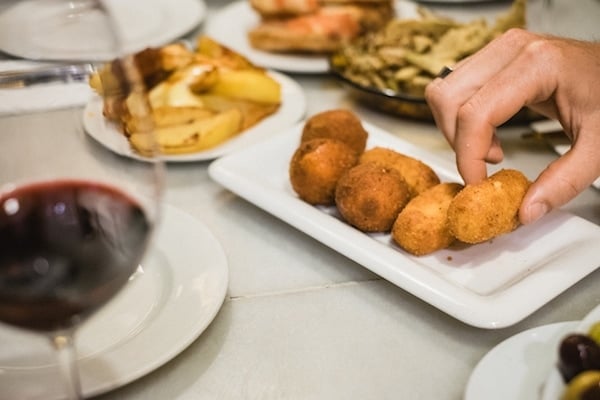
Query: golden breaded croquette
point(422, 226)
point(316, 167)
point(488, 209)
point(339, 124)
point(369, 197)
point(418, 175)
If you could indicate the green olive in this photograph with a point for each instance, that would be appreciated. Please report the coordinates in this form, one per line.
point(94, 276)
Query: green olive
point(594, 332)
point(583, 385)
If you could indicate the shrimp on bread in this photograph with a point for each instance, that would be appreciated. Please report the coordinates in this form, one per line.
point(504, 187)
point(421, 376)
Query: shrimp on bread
point(297, 26)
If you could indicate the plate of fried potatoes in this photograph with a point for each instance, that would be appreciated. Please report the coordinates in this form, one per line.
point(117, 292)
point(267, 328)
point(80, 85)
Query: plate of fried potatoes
point(206, 103)
point(492, 284)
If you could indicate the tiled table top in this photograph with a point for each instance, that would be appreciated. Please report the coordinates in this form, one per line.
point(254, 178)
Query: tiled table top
point(301, 321)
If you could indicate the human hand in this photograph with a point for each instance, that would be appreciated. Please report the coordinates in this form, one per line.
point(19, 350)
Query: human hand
point(557, 77)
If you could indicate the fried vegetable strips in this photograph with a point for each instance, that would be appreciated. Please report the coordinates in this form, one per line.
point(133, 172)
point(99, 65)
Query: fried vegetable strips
point(407, 54)
point(198, 98)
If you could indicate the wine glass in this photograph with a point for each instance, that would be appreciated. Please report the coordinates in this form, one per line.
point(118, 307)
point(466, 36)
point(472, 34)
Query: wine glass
point(75, 219)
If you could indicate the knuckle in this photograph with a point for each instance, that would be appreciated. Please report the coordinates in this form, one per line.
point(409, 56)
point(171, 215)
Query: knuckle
point(542, 52)
point(436, 93)
point(517, 36)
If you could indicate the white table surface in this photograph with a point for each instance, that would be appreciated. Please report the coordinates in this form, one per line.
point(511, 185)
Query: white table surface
point(301, 321)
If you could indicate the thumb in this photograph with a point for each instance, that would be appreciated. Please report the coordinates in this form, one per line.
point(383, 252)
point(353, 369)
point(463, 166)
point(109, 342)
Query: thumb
point(560, 182)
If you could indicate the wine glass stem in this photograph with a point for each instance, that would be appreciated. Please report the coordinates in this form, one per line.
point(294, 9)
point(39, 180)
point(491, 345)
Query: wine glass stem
point(63, 343)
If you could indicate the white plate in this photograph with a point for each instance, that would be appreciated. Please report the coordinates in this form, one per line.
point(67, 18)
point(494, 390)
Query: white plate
point(516, 368)
point(170, 301)
point(459, 1)
point(554, 385)
point(292, 109)
point(230, 26)
point(145, 23)
point(487, 285)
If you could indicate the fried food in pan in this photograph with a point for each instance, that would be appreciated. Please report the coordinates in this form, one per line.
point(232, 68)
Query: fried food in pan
point(422, 226)
point(340, 124)
point(488, 209)
point(316, 167)
point(370, 196)
point(418, 175)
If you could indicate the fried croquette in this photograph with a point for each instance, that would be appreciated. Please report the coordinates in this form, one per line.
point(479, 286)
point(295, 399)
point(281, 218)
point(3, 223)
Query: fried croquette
point(316, 167)
point(418, 175)
point(369, 197)
point(422, 226)
point(488, 209)
point(339, 124)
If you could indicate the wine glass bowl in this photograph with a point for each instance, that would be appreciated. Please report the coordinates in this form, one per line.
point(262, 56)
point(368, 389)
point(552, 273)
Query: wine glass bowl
point(75, 219)
point(63, 29)
point(67, 247)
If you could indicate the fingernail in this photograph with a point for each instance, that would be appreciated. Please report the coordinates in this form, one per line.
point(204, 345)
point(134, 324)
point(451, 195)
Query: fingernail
point(537, 211)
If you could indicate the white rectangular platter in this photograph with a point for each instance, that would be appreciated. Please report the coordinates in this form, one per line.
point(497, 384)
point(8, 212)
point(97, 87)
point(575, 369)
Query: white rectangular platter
point(489, 285)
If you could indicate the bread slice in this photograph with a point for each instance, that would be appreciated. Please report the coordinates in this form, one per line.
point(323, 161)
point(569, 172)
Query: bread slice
point(284, 8)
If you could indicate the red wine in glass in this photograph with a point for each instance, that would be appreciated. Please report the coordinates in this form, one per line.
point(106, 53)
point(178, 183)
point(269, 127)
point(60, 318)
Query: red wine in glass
point(69, 244)
point(66, 247)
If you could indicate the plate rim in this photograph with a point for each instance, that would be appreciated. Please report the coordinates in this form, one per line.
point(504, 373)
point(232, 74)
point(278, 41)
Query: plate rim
point(550, 332)
point(492, 311)
point(171, 224)
point(292, 109)
point(187, 15)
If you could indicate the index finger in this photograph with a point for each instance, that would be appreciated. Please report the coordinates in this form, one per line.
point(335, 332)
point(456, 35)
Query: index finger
point(446, 96)
point(512, 88)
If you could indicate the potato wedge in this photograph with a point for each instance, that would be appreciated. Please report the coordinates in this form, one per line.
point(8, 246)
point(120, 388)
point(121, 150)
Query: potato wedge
point(196, 74)
point(247, 84)
point(205, 46)
point(179, 94)
point(157, 96)
point(195, 136)
point(252, 112)
point(182, 83)
point(167, 116)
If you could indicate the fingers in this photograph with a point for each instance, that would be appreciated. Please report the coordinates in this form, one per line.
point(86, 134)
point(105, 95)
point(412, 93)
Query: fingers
point(446, 96)
point(563, 179)
point(552, 75)
point(475, 142)
point(517, 84)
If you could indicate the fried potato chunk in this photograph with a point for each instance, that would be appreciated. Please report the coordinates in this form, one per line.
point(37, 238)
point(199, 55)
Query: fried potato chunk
point(339, 124)
point(167, 116)
point(200, 134)
point(488, 209)
point(422, 226)
point(316, 167)
point(370, 196)
point(418, 175)
point(197, 99)
point(248, 84)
